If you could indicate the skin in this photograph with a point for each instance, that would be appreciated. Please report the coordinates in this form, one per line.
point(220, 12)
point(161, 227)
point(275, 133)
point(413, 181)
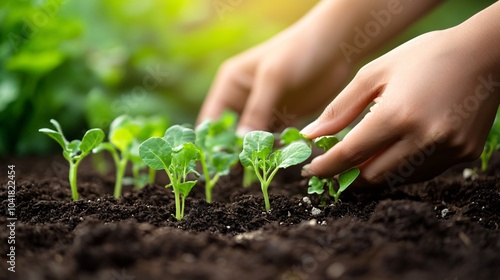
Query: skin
point(435, 96)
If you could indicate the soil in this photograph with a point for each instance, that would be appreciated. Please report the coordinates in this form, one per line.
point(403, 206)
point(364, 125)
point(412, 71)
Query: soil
point(445, 228)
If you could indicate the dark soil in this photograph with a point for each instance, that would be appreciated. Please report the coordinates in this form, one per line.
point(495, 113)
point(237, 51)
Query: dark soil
point(446, 228)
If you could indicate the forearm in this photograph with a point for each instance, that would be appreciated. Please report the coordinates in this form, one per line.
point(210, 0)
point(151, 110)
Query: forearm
point(356, 28)
point(479, 36)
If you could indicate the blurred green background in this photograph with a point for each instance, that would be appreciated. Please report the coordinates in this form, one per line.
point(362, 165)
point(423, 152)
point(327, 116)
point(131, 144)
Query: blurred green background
point(86, 62)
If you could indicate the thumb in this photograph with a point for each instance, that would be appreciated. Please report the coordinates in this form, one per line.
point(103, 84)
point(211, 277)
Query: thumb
point(344, 109)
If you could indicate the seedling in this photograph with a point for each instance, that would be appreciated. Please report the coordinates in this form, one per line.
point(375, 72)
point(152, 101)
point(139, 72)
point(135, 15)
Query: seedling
point(258, 154)
point(492, 143)
point(75, 150)
point(125, 135)
point(177, 154)
point(316, 185)
point(122, 134)
point(218, 148)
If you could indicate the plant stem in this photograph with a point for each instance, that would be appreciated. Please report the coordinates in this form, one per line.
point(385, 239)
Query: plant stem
point(135, 174)
point(177, 195)
point(208, 181)
point(265, 187)
point(151, 175)
point(120, 172)
point(73, 167)
point(183, 202)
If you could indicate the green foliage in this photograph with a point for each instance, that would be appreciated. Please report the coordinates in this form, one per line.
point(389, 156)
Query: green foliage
point(75, 151)
point(218, 147)
point(259, 155)
point(177, 154)
point(125, 135)
point(316, 185)
point(492, 143)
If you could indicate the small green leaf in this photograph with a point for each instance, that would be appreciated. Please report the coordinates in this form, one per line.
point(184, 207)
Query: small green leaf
point(73, 148)
point(222, 162)
point(156, 153)
point(346, 178)
point(315, 185)
point(326, 142)
point(59, 129)
point(186, 187)
point(178, 135)
point(91, 139)
point(123, 130)
point(259, 142)
point(291, 135)
point(201, 132)
point(293, 154)
point(54, 135)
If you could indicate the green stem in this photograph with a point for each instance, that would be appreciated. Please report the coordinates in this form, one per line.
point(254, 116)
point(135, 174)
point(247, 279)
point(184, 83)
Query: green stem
point(135, 173)
point(183, 202)
point(209, 185)
point(73, 168)
point(151, 175)
point(177, 195)
point(120, 172)
point(265, 187)
point(208, 181)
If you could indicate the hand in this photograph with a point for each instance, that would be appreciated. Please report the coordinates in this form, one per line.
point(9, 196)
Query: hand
point(435, 100)
point(275, 83)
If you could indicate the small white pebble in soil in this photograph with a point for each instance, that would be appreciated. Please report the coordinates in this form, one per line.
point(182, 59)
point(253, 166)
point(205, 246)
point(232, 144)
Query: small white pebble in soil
point(81, 219)
point(444, 212)
point(228, 227)
point(335, 270)
point(89, 201)
point(300, 203)
point(469, 173)
point(312, 222)
point(315, 211)
point(323, 223)
point(289, 214)
point(306, 200)
point(282, 223)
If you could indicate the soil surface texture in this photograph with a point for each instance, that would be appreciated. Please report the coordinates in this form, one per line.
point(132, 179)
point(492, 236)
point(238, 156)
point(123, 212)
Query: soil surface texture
point(447, 228)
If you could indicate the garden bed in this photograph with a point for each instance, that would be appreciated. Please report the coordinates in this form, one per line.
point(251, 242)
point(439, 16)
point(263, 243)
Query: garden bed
point(446, 228)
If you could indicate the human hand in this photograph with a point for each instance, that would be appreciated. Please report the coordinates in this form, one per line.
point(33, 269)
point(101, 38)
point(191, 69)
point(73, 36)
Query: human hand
point(272, 85)
point(435, 100)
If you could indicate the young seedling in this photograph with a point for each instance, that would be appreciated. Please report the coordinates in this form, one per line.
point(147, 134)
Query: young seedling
point(177, 154)
point(125, 135)
point(122, 134)
point(218, 148)
point(259, 155)
point(316, 185)
point(75, 151)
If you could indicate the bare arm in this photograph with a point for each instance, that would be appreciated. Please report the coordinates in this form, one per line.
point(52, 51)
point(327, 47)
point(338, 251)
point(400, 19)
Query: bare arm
point(301, 69)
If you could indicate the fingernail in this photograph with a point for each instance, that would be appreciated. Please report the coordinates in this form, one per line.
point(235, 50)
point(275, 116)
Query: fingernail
point(243, 130)
point(310, 128)
point(306, 171)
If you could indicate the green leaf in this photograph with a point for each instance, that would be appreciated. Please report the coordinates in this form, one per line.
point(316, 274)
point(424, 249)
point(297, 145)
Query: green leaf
point(123, 130)
point(346, 178)
point(73, 148)
point(259, 142)
point(91, 139)
point(55, 135)
point(222, 162)
point(201, 132)
point(315, 185)
point(178, 135)
point(326, 142)
point(186, 187)
point(291, 135)
point(156, 153)
point(293, 154)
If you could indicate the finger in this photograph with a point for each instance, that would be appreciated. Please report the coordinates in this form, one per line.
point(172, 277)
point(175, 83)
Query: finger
point(261, 104)
point(364, 141)
point(230, 90)
point(358, 94)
